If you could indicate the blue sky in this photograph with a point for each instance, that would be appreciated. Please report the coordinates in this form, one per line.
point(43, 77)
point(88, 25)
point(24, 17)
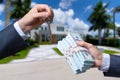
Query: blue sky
point(72, 13)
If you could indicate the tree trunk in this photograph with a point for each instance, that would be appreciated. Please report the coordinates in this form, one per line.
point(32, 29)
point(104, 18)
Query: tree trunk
point(99, 34)
point(7, 12)
point(114, 23)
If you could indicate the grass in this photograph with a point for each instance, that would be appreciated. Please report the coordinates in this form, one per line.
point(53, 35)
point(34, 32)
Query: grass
point(20, 55)
point(110, 52)
point(57, 51)
point(23, 54)
point(105, 51)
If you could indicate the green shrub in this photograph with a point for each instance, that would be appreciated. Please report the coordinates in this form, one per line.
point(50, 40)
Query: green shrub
point(30, 41)
point(44, 43)
point(92, 41)
point(112, 42)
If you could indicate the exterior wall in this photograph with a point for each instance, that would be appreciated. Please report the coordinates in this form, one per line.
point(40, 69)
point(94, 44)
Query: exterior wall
point(58, 34)
point(45, 33)
point(44, 36)
point(54, 29)
point(56, 38)
point(32, 33)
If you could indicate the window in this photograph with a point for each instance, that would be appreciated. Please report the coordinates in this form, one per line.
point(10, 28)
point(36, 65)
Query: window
point(41, 28)
point(59, 28)
point(45, 28)
point(60, 37)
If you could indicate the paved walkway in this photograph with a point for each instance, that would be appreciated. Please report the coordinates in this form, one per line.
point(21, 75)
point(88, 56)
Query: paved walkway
point(57, 69)
point(109, 48)
point(45, 52)
point(43, 63)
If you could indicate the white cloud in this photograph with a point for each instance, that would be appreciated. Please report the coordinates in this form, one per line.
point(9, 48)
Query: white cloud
point(1, 8)
point(66, 18)
point(109, 10)
point(1, 23)
point(33, 4)
point(104, 4)
point(88, 8)
point(117, 24)
point(79, 26)
point(65, 4)
point(93, 33)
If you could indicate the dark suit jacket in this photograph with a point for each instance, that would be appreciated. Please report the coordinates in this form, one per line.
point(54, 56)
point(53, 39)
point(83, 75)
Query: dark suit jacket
point(114, 70)
point(10, 42)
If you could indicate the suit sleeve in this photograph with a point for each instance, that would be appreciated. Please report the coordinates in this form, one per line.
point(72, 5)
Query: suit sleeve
point(10, 42)
point(114, 70)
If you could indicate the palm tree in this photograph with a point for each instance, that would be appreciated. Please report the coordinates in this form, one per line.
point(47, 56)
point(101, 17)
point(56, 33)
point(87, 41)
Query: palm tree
point(116, 9)
point(99, 18)
point(20, 8)
point(7, 12)
point(106, 29)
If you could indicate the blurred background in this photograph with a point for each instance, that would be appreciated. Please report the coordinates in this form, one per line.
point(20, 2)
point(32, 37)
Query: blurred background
point(97, 21)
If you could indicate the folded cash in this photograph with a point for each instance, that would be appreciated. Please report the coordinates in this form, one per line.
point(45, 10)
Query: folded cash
point(71, 61)
point(78, 57)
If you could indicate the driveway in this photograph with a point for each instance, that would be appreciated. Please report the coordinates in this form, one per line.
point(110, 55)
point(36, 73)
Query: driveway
point(52, 69)
point(43, 52)
point(43, 63)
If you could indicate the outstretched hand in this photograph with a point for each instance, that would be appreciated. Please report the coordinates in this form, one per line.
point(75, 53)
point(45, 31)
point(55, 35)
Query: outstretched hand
point(97, 55)
point(35, 17)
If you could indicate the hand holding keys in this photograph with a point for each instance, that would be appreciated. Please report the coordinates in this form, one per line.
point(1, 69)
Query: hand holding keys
point(78, 57)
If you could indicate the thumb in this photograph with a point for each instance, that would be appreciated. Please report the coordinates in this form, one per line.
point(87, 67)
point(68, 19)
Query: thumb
point(84, 44)
point(41, 15)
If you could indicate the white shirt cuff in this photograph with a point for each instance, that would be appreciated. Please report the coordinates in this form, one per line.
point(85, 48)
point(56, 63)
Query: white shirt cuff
point(19, 30)
point(105, 63)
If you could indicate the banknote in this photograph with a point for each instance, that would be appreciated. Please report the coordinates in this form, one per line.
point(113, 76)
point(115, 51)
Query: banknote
point(78, 57)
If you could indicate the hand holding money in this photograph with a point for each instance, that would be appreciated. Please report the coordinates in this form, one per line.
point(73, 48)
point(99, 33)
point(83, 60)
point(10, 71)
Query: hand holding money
point(98, 56)
point(78, 57)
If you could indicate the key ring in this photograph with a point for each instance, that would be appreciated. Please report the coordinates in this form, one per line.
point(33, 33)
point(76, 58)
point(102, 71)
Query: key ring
point(48, 19)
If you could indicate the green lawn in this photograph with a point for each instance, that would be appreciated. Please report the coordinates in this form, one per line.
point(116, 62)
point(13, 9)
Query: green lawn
point(57, 51)
point(20, 55)
point(105, 51)
point(110, 52)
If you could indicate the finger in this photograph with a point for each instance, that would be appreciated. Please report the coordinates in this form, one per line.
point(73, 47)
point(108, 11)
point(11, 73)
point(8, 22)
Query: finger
point(84, 44)
point(43, 8)
point(40, 15)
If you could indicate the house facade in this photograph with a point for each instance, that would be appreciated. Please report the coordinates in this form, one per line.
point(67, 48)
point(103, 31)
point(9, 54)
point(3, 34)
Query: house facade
point(57, 32)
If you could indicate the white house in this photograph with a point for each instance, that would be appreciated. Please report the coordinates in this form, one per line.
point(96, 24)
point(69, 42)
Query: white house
point(57, 31)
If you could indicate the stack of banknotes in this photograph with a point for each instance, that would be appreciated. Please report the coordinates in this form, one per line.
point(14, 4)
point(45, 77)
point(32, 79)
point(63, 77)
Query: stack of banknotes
point(78, 57)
